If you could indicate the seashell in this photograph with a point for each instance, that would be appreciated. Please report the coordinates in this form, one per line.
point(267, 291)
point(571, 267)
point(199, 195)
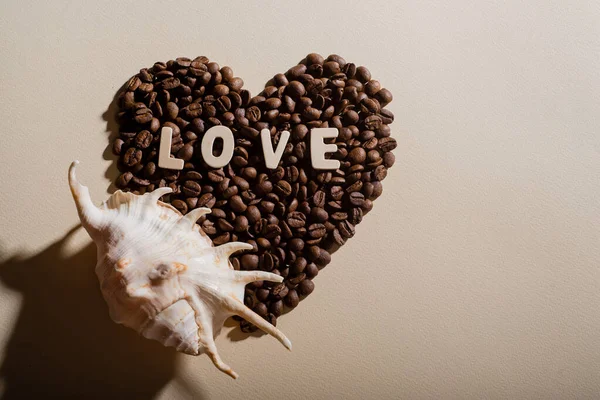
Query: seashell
point(161, 275)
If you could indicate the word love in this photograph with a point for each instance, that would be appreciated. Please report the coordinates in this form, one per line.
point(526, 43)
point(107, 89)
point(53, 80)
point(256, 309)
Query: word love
point(318, 148)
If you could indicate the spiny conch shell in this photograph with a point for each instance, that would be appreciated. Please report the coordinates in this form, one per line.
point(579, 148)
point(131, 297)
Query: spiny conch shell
point(162, 276)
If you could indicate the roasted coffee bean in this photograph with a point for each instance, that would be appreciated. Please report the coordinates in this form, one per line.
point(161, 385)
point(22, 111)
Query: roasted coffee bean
point(123, 180)
point(319, 198)
point(143, 139)
point(237, 204)
point(205, 200)
point(298, 265)
point(276, 308)
point(387, 144)
point(266, 262)
point(186, 152)
point(283, 188)
point(253, 214)
point(249, 261)
point(241, 223)
point(132, 157)
point(271, 231)
point(356, 198)
point(319, 214)
point(296, 219)
point(389, 159)
point(317, 231)
point(357, 155)
point(291, 300)
point(262, 294)
point(306, 287)
point(191, 188)
point(261, 309)
point(279, 291)
point(380, 173)
point(339, 216)
point(337, 192)
point(297, 279)
point(225, 226)
point(296, 244)
point(180, 205)
point(311, 270)
point(117, 146)
point(346, 229)
point(221, 239)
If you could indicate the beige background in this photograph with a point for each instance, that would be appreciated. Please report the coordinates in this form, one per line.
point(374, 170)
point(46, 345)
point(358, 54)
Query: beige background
point(475, 276)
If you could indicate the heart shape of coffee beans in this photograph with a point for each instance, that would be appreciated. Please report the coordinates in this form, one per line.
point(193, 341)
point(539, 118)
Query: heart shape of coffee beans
point(294, 216)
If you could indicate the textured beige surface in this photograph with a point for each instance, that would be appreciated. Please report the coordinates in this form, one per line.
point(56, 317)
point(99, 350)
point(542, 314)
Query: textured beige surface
point(475, 276)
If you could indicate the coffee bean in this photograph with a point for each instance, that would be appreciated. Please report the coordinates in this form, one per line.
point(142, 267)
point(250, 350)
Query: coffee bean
point(253, 214)
point(296, 244)
point(143, 139)
point(123, 180)
point(221, 239)
point(298, 265)
point(357, 156)
point(237, 204)
point(279, 291)
point(186, 152)
point(117, 146)
point(339, 216)
point(311, 271)
point(132, 156)
point(276, 308)
point(356, 198)
point(387, 144)
point(319, 199)
point(261, 309)
point(306, 287)
point(291, 300)
point(271, 231)
point(337, 192)
point(205, 200)
point(283, 188)
point(191, 188)
point(296, 219)
point(295, 89)
point(264, 188)
point(380, 173)
point(317, 231)
point(224, 225)
point(249, 261)
point(346, 229)
point(319, 214)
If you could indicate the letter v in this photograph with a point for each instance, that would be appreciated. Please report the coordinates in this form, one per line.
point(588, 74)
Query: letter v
point(272, 158)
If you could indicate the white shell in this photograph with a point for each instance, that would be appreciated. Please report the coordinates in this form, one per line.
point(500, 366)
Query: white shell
point(160, 274)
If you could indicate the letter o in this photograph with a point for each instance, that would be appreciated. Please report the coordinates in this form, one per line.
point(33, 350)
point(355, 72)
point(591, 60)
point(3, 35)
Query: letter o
point(208, 142)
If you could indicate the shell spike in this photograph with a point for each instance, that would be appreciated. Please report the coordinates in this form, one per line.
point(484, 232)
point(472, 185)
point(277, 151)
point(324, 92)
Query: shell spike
point(227, 249)
point(195, 215)
point(252, 276)
point(240, 309)
point(156, 194)
point(205, 336)
point(91, 216)
point(211, 350)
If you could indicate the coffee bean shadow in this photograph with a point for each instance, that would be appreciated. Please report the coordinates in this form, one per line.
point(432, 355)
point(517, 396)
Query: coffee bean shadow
point(64, 345)
point(112, 128)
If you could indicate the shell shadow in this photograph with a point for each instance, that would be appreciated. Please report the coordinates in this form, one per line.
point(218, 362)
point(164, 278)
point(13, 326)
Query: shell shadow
point(64, 345)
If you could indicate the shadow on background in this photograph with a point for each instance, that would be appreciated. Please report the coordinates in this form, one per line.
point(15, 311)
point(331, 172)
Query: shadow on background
point(64, 344)
point(112, 128)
